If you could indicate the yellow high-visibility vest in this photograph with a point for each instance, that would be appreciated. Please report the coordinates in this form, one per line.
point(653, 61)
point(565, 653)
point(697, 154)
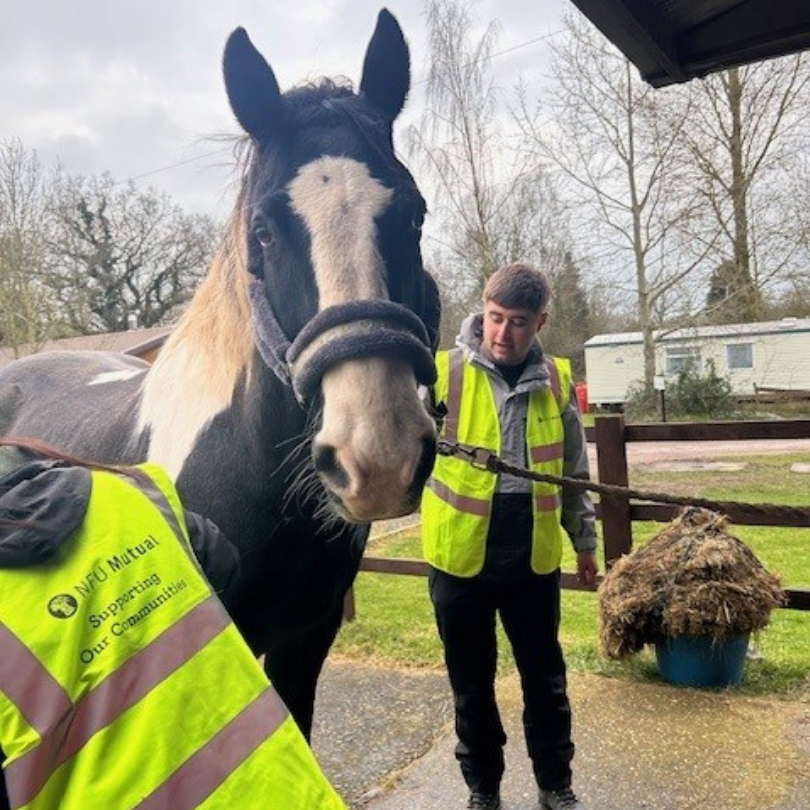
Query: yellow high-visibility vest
point(457, 501)
point(123, 682)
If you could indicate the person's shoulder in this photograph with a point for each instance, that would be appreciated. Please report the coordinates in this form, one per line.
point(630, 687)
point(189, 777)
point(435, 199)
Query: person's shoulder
point(156, 472)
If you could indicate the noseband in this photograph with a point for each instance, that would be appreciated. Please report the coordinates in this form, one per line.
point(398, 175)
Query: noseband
point(350, 331)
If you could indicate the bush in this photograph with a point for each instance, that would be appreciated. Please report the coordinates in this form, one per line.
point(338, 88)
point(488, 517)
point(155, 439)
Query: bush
point(642, 402)
point(708, 396)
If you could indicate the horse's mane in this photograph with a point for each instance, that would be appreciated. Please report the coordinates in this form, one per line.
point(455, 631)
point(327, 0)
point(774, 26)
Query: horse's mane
point(212, 348)
point(219, 314)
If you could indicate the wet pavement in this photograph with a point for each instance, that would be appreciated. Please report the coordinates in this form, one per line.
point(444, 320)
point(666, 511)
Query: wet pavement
point(370, 722)
point(385, 739)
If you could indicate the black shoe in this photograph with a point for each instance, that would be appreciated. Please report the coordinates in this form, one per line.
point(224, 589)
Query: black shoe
point(562, 799)
point(484, 801)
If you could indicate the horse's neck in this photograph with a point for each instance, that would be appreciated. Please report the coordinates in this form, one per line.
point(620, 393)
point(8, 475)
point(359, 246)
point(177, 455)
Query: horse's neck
point(200, 368)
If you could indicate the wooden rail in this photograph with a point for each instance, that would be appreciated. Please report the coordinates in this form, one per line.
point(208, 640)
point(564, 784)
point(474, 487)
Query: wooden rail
point(611, 435)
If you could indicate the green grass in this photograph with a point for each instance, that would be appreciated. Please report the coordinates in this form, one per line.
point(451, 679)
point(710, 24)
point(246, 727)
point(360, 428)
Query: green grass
point(394, 623)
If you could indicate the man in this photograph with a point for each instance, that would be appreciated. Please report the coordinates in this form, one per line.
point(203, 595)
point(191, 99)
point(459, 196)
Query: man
point(494, 543)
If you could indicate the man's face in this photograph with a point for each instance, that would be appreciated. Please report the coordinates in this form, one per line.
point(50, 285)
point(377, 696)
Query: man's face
point(509, 333)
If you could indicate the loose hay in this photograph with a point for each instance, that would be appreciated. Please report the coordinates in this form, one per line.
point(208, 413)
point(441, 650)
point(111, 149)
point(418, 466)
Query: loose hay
point(692, 578)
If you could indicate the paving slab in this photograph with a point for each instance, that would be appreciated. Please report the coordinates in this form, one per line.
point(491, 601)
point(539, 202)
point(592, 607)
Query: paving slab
point(370, 722)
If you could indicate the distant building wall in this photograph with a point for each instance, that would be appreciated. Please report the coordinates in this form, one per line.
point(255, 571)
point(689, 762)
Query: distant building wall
point(772, 354)
point(610, 370)
point(143, 343)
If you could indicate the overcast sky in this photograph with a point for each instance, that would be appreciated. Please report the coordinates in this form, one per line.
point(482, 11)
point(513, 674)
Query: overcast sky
point(133, 87)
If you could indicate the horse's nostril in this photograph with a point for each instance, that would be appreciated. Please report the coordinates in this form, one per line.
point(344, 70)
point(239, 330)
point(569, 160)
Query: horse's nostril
point(325, 460)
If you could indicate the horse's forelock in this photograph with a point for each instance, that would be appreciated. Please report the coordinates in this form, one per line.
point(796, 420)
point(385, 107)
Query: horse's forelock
point(307, 96)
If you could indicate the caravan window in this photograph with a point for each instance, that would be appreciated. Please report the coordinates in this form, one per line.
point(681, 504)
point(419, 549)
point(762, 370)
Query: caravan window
point(680, 358)
point(740, 355)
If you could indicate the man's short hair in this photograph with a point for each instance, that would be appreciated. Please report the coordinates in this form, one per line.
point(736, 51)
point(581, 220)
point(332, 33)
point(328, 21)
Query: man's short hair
point(518, 286)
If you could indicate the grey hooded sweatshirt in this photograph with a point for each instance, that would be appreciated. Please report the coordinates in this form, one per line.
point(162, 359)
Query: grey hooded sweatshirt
point(578, 516)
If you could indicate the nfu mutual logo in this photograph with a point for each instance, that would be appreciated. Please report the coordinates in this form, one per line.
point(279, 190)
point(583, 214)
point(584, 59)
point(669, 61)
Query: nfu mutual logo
point(62, 606)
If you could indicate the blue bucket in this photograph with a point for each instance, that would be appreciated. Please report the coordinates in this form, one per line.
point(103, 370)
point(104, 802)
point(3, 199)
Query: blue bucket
point(701, 661)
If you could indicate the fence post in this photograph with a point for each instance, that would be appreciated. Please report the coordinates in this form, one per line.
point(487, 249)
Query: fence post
point(611, 459)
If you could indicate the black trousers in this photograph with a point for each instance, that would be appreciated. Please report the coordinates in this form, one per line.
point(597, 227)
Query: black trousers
point(529, 608)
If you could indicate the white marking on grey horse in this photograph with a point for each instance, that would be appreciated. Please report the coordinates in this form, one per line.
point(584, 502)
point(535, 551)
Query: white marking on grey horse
point(114, 376)
point(371, 414)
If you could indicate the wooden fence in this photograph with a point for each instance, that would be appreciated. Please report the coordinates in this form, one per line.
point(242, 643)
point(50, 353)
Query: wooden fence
point(617, 512)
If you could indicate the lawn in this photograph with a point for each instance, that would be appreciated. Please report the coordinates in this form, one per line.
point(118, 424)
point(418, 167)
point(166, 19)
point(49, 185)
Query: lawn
point(394, 623)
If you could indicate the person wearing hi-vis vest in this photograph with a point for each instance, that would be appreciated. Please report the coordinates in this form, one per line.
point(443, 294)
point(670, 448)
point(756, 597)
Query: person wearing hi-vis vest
point(123, 682)
point(494, 543)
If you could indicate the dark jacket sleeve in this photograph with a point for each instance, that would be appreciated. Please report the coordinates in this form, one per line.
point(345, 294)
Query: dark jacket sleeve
point(5, 804)
point(218, 557)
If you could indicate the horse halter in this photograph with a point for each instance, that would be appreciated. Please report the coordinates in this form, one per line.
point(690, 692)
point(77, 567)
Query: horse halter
point(357, 329)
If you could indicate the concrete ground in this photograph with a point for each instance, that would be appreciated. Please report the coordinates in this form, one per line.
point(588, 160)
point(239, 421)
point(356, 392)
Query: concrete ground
point(385, 739)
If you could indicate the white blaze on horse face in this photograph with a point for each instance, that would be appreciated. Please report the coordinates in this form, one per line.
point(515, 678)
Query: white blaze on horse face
point(339, 200)
point(372, 416)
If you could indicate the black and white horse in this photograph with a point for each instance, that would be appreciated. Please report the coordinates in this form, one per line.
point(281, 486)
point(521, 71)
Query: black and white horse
point(285, 401)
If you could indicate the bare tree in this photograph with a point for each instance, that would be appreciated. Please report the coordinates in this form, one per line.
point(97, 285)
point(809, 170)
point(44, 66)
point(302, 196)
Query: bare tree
point(618, 150)
point(126, 255)
point(25, 219)
point(792, 295)
point(745, 135)
point(491, 206)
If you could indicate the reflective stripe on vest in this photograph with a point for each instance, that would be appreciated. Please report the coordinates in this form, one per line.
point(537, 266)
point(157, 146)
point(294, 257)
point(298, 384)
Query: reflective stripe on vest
point(455, 388)
point(457, 501)
point(203, 772)
point(112, 661)
point(473, 506)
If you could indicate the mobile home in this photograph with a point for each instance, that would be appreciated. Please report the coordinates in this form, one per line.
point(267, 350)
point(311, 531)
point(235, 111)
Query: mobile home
point(769, 354)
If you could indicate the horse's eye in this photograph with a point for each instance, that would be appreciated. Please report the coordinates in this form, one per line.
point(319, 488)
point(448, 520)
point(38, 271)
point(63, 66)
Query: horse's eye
point(263, 234)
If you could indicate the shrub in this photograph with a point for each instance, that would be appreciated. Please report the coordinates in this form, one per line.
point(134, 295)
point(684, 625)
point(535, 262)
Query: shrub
point(642, 401)
point(692, 394)
point(706, 395)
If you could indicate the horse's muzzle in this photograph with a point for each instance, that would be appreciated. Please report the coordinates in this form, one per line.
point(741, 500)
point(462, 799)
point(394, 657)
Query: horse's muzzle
point(365, 505)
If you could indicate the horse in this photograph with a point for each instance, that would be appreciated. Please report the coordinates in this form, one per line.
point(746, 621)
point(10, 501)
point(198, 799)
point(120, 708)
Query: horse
point(285, 401)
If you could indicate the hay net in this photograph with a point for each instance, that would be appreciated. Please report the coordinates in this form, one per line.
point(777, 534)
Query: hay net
point(693, 578)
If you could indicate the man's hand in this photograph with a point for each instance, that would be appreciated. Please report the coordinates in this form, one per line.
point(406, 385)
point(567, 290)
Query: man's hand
point(587, 567)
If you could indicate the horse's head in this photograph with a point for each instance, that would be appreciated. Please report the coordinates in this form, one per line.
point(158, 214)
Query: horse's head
point(333, 224)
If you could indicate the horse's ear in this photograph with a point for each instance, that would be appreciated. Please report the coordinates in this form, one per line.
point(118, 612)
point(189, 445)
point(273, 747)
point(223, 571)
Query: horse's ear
point(252, 87)
point(387, 67)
